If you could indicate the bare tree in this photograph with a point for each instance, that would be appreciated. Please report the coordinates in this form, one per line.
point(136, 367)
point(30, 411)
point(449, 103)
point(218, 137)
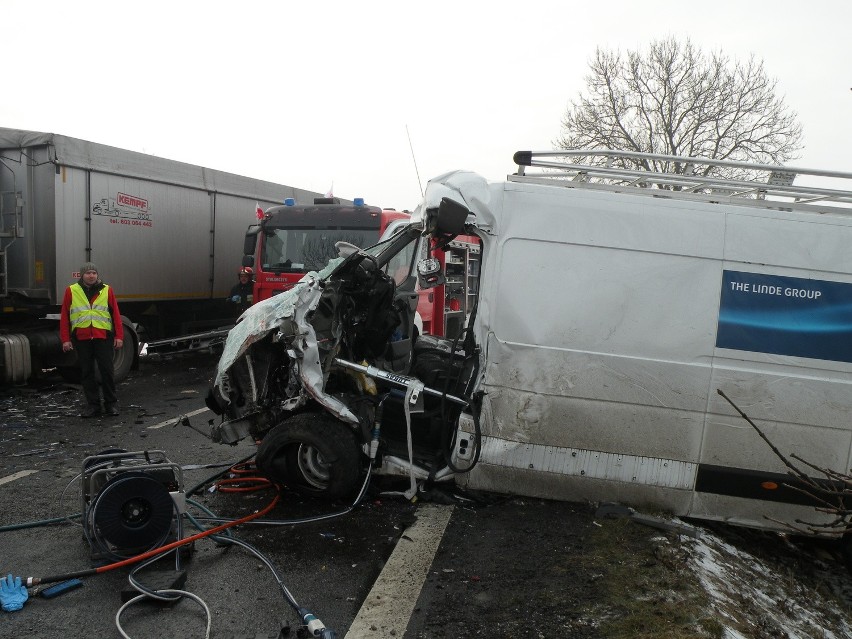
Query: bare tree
point(675, 100)
point(830, 491)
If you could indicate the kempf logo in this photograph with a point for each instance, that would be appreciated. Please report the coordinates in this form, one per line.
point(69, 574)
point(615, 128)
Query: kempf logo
point(125, 209)
point(133, 202)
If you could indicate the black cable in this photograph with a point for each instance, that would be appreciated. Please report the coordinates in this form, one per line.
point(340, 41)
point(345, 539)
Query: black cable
point(450, 433)
point(212, 478)
point(303, 520)
point(40, 522)
point(145, 590)
point(93, 533)
point(288, 596)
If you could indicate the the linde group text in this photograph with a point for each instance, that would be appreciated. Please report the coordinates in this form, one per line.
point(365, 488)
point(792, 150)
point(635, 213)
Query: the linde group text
point(768, 289)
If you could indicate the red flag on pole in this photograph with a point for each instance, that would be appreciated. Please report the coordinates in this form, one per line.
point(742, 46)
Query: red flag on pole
point(258, 211)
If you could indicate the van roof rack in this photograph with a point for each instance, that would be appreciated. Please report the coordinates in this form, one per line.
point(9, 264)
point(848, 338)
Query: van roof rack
point(682, 177)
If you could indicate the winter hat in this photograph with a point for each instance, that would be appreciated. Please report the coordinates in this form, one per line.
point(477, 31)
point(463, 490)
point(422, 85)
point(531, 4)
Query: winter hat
point(88, 266)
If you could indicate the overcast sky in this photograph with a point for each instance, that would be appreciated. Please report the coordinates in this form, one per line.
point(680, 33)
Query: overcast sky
point(315, 93)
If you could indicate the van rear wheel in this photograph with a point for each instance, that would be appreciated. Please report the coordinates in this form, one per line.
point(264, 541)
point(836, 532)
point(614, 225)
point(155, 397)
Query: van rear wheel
point(314, 454)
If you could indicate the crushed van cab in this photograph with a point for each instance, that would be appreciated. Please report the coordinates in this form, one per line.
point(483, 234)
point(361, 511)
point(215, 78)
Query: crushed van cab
point(333, 376)
point(615, 311)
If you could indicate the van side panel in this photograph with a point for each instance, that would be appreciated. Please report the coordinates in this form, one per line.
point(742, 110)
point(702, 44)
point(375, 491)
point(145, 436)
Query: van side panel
point(793, 295)
point(600, 319)
point(593, 353)
point(807, 241)
point(599, 336)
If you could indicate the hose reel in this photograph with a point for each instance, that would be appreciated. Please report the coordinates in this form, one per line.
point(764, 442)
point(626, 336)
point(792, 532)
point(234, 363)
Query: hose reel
point(129, 501)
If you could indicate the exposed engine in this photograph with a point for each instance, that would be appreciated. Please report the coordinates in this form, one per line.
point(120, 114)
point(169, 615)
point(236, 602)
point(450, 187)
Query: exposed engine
point(332, 375)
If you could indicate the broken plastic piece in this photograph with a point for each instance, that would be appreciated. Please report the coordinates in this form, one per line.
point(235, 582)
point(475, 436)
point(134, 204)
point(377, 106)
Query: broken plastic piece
point(60, 588)
point(612, 510)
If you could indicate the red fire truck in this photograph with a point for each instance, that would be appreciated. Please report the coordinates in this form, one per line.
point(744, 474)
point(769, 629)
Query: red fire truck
point(292, 239)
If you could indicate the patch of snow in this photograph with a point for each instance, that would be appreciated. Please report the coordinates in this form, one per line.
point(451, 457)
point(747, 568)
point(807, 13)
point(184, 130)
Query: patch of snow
point(747, 594)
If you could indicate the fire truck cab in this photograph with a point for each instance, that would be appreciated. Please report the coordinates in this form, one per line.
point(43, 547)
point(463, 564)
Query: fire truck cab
point(293, 239)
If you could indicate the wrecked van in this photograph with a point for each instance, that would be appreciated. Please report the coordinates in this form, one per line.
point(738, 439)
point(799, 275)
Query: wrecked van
point(614, 304)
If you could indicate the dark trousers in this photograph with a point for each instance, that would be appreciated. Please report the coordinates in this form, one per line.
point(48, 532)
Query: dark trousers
point(92, 353)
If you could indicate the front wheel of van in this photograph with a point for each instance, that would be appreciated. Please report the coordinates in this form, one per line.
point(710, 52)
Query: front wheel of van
point(314, 454)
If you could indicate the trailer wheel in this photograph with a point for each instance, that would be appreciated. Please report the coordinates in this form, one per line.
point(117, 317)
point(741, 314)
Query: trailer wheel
point(314, 454)
point(122, 359)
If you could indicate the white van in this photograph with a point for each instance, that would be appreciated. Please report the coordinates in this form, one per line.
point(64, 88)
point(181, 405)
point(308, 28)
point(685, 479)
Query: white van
point(613, 306)
point(614, 312)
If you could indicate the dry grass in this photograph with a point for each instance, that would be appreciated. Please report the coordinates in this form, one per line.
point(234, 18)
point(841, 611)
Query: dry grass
point(646, 589)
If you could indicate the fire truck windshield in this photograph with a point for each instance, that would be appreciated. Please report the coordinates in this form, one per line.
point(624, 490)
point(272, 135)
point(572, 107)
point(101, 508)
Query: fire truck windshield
point(303, 250)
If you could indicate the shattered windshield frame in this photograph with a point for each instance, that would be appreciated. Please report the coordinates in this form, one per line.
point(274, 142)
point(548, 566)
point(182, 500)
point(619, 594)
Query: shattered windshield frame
point(386, 251)
point(305, 249)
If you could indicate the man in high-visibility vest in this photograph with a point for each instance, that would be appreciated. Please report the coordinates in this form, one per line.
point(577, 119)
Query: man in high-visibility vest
point(90, 324)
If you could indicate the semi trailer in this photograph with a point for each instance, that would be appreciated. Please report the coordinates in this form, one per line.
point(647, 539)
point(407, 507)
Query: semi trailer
point(166, 235)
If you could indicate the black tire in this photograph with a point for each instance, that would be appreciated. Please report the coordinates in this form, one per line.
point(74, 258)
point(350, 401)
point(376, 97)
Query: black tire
point(314, 454)
point(122, 359)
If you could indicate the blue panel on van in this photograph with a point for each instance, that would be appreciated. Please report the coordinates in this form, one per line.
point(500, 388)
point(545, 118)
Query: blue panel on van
point(785, 316)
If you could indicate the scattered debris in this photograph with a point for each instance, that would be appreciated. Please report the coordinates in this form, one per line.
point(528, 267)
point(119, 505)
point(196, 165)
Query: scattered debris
point(612, 510)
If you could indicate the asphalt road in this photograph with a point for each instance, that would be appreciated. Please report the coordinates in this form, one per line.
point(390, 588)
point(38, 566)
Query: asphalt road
point(450, 565)
point(328, 566)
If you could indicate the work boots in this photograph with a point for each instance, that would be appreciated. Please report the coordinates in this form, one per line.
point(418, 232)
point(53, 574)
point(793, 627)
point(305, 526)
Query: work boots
point(90, 411)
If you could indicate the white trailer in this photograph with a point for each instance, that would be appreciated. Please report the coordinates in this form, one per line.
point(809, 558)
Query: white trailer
point(168, 236)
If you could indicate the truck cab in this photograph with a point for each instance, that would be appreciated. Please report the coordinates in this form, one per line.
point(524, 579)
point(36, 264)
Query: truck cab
point(294, 239)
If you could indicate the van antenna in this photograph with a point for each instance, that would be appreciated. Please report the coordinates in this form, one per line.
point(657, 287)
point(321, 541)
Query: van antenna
point(416, 170)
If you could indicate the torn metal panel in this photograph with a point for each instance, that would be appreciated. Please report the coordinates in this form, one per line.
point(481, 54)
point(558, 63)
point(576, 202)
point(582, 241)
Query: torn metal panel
point(289, 309)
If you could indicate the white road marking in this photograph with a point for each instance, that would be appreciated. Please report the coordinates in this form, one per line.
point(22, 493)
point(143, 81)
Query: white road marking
point(173, 420)
point(18, 475)
point(387, 609)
